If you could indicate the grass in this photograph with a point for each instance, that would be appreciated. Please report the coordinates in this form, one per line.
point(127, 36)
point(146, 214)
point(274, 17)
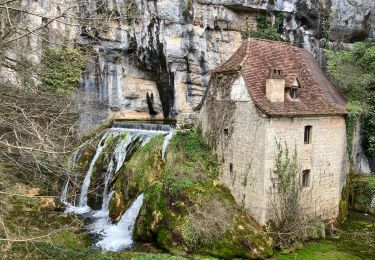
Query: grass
point(55, 251)
point(356, 241)
point(323, 250)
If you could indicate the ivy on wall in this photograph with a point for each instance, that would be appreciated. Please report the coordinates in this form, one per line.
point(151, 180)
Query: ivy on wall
point(220, 108)
point(354, 112)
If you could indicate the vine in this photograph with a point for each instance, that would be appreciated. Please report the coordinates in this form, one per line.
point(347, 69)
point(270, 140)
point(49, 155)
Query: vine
point(291, 222)
point(220, 108)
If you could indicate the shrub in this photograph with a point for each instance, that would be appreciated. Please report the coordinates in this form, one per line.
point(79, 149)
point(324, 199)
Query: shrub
point(265, 29)
point(362, 192)
point(354, 71)
point(61, 69)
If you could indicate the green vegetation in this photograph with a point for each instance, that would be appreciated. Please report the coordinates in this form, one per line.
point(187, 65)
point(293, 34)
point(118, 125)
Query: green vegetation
point(357, 236)
point(354, 110)
point(323, 250)
point(35, 232)
point(61, 69)
point(47, 250)
point(355, 241)
point(354, 71)
point(265, 29)
point(289, 225)
point(26, 72)
point(286, 168)
point(362, 191)
point(186, 210)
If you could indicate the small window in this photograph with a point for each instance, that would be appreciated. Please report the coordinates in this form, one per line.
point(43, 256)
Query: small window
point(231, 167)
point(226, 131)
point(306, 178)
point(307, 136)
point(293, 93)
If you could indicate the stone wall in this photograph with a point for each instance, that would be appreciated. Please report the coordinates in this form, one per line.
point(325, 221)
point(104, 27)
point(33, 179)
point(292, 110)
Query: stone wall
point(242, 153)
point(248, 156)
point(325, 157)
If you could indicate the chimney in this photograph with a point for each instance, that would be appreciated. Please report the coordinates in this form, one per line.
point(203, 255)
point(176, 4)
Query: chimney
point(275, 85)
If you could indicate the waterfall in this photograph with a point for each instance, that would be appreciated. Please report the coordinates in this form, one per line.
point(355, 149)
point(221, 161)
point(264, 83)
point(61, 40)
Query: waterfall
point(119, 236)
point(71, 166)
point(82, 207)
point(114, 237)
point(64, 192)
point(142, 126)
point(117, 161)
point(167, 138)
point(86, 182)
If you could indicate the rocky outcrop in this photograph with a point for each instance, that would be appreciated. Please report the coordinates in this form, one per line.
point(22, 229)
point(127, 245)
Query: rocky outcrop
point(170, 47)
point(354, 18)
point(155, 56)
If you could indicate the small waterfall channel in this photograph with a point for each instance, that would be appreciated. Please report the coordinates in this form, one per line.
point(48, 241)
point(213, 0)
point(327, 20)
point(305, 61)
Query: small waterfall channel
point(112, 237)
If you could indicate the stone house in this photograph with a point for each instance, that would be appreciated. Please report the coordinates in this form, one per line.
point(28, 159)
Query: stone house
point(269, 91)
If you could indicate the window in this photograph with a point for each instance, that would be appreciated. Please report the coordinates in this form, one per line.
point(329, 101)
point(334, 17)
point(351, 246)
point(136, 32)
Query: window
point(307, 136)
point(293, 93)
point(226, 131)
point(231, 167)
point(277, 72)
point(305, 178)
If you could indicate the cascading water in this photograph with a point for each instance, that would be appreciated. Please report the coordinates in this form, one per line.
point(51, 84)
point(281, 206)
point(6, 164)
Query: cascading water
point(64, 192)
point(82, 207)
point(71, 165)
point(114, 237)
point(119, 236)
point(167, 138)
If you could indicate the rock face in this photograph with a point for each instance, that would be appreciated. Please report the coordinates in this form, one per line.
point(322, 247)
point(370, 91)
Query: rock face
point(155, 56)
point(355, 18)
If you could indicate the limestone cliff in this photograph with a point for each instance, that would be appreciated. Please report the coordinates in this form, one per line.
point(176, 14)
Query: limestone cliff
point(155, 57)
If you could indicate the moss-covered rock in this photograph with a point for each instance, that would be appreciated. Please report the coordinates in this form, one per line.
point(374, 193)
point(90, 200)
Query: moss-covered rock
point(186, 210)
point(140, 170)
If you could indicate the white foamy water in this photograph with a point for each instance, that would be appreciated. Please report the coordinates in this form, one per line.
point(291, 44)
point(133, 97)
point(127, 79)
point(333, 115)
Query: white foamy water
point(167, 138)
point(64, 192)
point(119, 236)
point(118, 159)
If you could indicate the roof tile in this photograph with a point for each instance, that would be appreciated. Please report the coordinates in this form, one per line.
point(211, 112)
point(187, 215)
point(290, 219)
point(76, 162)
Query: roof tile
point(254, 59)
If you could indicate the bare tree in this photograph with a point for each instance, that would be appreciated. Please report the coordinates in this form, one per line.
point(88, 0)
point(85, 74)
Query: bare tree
point(292, 222)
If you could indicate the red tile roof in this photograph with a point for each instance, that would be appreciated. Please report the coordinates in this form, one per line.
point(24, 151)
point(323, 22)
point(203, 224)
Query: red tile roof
point(255, 58)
